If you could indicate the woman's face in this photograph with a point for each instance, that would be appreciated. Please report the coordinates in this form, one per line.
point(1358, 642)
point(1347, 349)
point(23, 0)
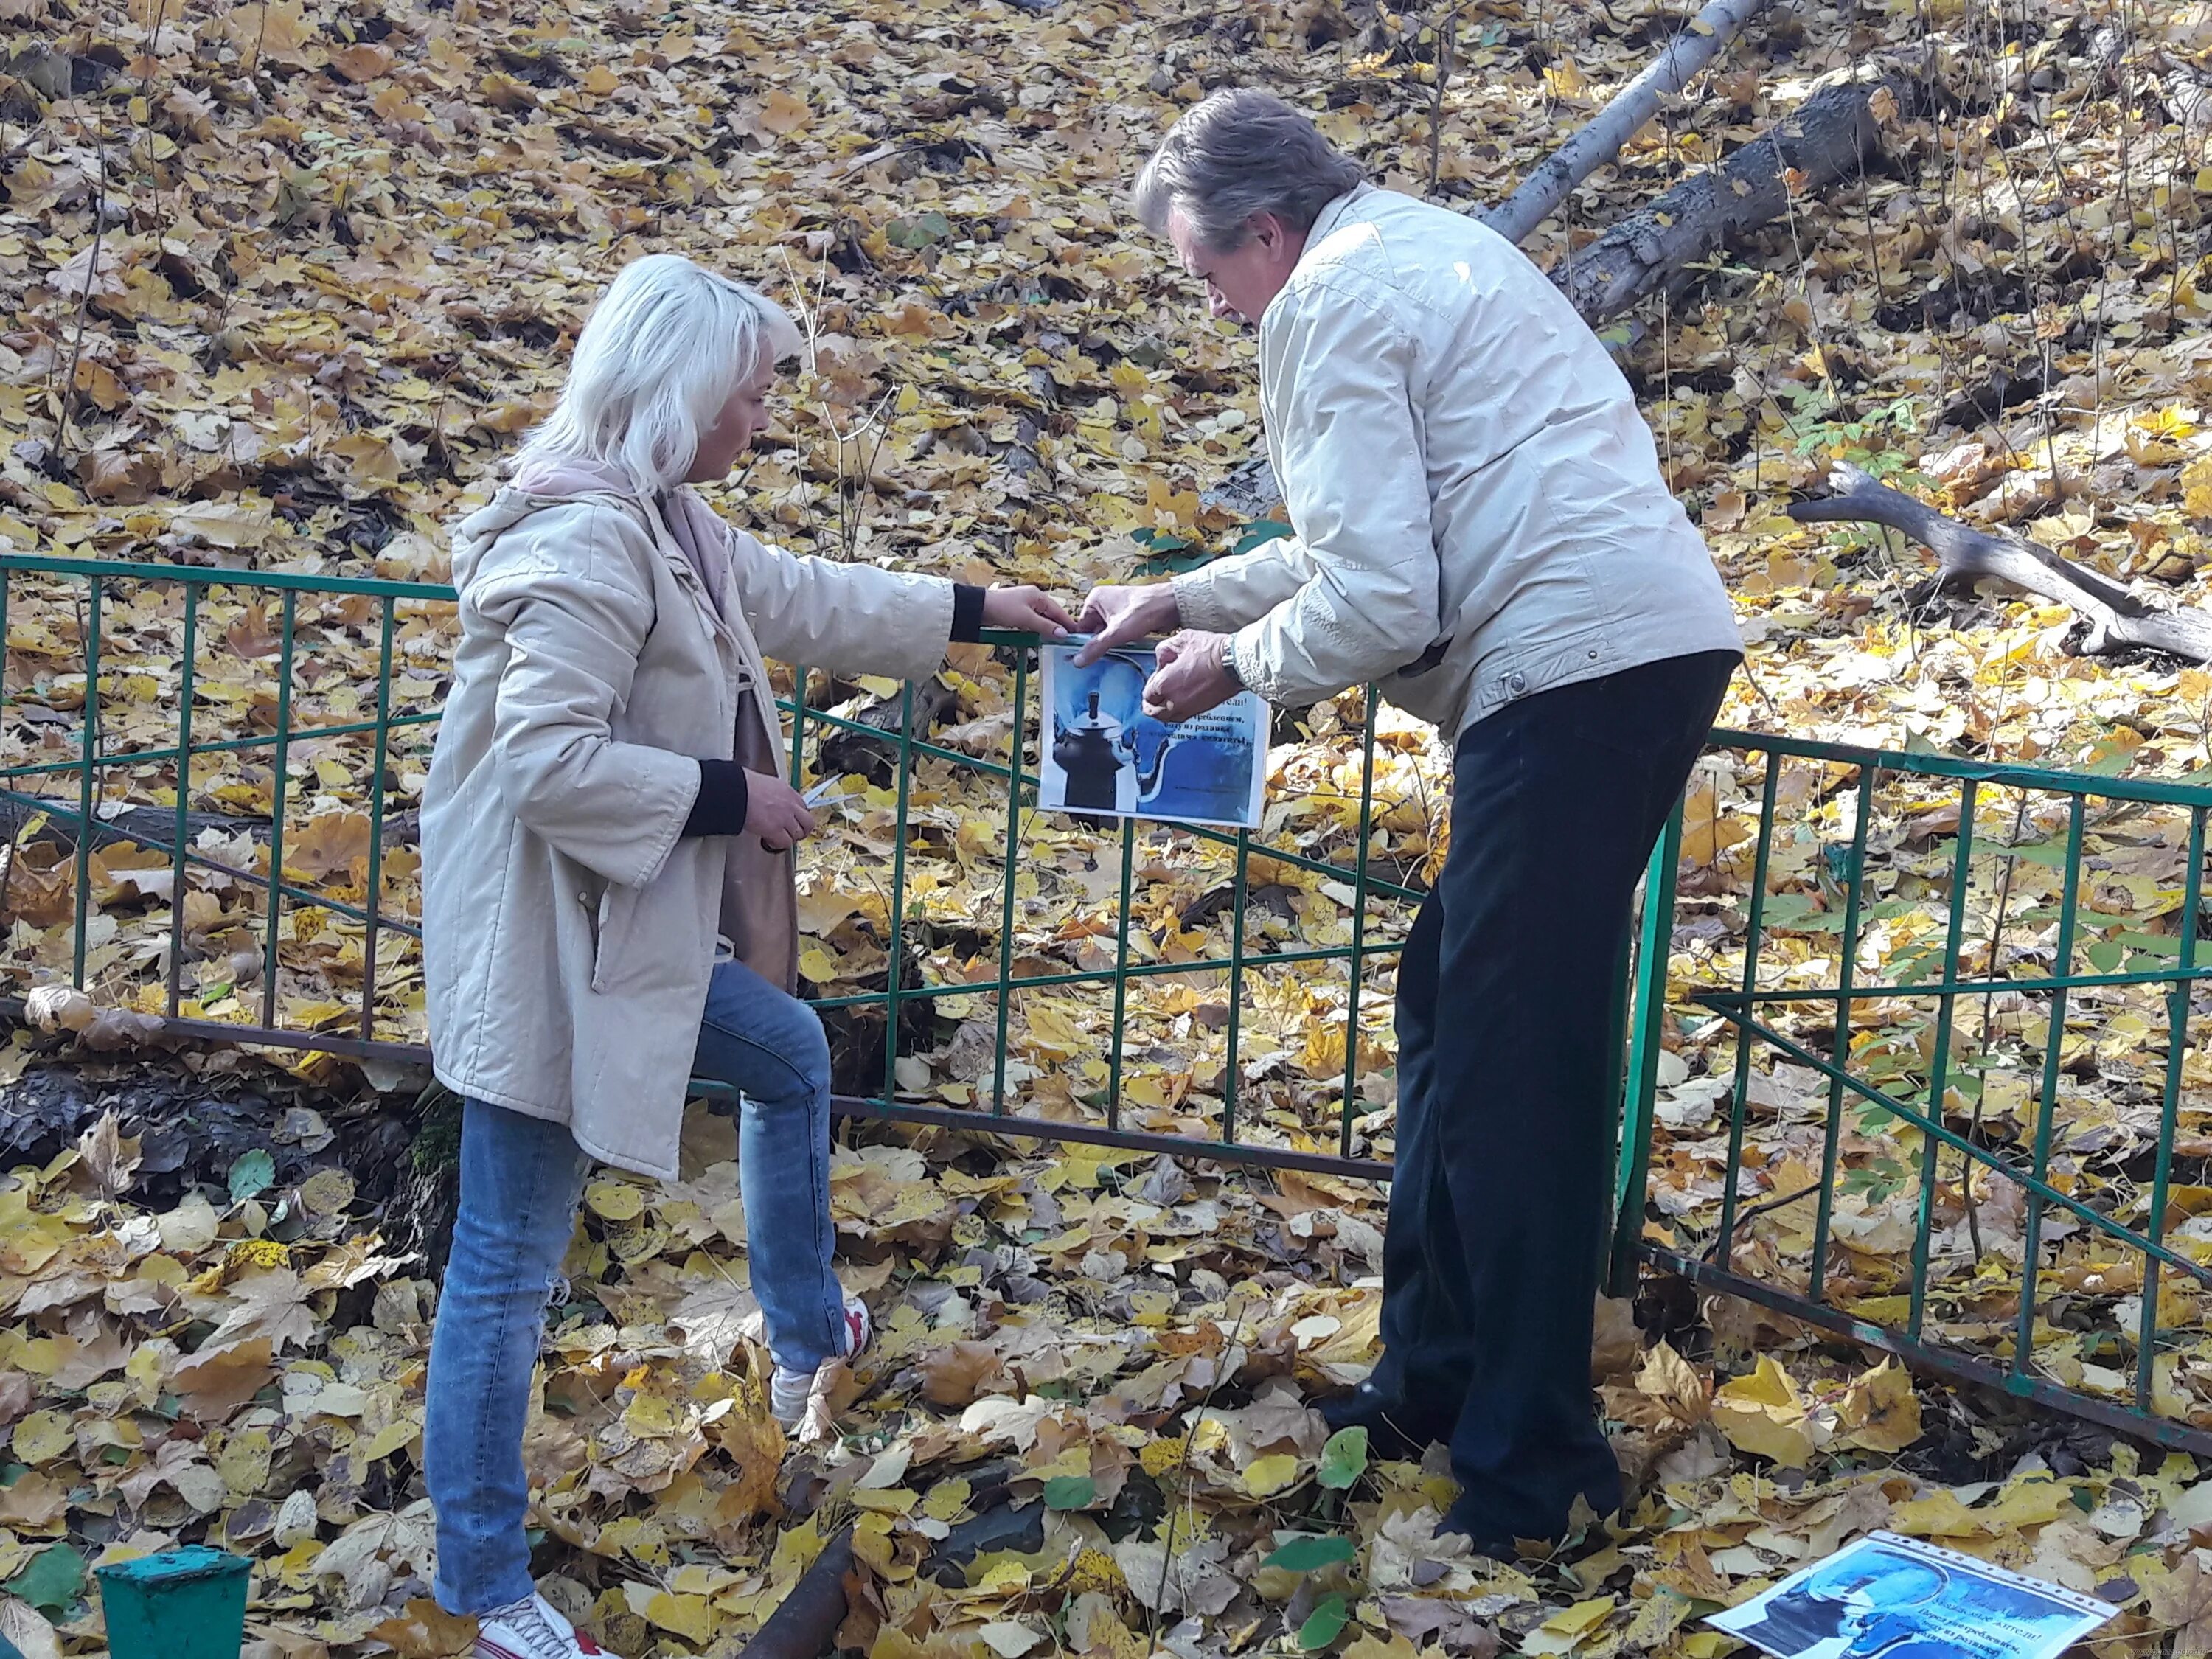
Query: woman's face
point(732, 431)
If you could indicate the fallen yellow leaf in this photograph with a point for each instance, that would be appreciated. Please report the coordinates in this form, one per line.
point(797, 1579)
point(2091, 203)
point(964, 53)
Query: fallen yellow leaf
point(1270, 1475)
point(1764, 1414)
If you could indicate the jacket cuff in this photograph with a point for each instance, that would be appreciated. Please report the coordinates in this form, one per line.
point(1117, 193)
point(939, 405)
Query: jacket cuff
point(1241, 658)
point(1196, 607)
point(722, 802)
point(967, 613)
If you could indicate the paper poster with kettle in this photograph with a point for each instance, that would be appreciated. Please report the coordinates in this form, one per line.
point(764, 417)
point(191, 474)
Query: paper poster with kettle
point(1105, 757)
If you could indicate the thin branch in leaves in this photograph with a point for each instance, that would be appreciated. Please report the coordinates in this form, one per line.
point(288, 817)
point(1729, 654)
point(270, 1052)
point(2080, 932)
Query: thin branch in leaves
point(83, 305)
point(1447, 37)
point(146, 92)
point(1989, 1016)
point(1183, 1471)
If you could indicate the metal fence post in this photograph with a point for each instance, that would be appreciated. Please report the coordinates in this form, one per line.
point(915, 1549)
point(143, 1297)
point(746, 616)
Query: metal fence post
point(1648, 1027)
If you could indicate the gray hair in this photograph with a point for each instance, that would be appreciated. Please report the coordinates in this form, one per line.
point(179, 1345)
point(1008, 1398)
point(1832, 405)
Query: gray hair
point(1237, 154)
point(664, 351)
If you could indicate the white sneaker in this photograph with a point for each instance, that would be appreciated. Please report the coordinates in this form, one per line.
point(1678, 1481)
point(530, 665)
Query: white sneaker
point(789, 1390)
point(531, 1630)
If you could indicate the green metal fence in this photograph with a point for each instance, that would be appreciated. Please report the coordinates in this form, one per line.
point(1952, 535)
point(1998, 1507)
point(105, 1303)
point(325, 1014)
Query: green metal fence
point(201, 689)
point(127, 684)
point(1907, 1051)
point(1940, 1013)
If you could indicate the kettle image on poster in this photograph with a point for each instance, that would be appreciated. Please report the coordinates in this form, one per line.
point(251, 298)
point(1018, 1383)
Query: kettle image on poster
point(1116, 759)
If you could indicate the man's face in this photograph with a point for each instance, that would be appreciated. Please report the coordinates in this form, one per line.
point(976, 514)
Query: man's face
point(1239, 283)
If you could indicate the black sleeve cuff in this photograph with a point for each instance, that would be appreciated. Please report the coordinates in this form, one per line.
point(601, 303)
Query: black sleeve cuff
point(967, 613)
point(722, 802)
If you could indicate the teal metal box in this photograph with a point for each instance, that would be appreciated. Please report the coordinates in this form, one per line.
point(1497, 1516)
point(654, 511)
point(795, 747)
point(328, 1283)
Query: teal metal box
point(182, 1604)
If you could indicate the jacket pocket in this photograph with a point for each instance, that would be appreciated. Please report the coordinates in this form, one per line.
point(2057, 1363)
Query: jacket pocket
point(610, 926)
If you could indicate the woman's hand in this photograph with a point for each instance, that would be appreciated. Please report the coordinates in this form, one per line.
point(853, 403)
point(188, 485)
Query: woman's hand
point(1115, 616)
point(775, 812)
point(1025, 611)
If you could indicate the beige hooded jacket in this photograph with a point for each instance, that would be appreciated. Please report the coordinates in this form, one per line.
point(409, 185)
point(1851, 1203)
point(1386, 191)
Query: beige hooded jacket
point(568, 928)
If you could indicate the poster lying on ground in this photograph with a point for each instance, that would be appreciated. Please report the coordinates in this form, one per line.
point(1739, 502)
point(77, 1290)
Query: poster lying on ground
point(1105, 756)
point(1887, 1597)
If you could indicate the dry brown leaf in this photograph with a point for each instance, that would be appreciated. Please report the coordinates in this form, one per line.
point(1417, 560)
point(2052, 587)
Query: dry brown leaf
point(425, 1630)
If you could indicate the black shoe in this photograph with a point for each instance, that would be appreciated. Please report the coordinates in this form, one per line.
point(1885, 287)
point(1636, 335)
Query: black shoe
point(1396, 1432)
point(1559, 1544)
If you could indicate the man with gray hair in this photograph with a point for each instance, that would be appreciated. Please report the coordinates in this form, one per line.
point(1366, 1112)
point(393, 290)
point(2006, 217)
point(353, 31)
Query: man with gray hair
point(1479, 527)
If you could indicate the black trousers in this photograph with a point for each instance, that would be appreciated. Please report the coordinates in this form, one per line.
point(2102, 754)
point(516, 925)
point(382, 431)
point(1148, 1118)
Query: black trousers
point(1506, 1127)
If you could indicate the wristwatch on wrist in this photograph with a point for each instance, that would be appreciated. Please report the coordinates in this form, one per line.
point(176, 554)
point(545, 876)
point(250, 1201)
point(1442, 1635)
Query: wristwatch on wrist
point(1229, 662)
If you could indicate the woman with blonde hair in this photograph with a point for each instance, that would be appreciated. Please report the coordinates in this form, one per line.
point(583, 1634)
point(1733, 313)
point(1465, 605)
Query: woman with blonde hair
point(608, 900)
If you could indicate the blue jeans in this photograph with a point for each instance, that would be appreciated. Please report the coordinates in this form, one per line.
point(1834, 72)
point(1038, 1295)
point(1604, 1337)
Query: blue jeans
point(520, 1180)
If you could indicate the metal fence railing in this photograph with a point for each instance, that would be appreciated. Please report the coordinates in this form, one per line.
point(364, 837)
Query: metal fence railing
point(1907, 1049)
point(128, 685)
point(241, 746)
point(1932, 1022)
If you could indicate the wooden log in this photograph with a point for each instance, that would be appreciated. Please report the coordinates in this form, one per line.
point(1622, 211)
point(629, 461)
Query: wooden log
point(2117, 619)
point(1828, 139)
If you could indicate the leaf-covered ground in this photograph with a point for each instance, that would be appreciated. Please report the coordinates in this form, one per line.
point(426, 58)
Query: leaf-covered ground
point(232, 1353)
point(285, 281)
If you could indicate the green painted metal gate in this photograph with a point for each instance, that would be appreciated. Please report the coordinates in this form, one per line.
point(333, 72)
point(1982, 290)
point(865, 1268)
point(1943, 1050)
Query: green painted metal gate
point(1907, 1047)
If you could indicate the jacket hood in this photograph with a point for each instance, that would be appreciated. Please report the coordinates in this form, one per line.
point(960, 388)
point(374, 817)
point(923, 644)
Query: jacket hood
point(539, 488)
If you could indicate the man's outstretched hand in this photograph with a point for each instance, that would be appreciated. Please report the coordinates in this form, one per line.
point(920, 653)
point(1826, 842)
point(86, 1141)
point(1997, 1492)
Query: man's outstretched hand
point(1192, 678)
point(1115, 616)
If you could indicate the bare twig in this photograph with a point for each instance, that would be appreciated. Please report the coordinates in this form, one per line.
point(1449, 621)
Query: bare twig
point(260, 40)
point(1763, 1207)
point(874, 425)
point(83, 305)
point(1183, 1469)
point(146, 92)
point(1988, 1015)
point(1447, 37)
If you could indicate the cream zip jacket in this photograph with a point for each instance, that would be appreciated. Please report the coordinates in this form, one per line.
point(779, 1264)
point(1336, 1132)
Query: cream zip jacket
point(1477, 505)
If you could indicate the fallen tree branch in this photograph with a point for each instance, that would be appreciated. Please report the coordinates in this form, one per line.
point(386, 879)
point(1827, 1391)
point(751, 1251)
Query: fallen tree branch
point(1829, 138)
point(1621, 120)
point(2117, 619)
point(156, 826)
